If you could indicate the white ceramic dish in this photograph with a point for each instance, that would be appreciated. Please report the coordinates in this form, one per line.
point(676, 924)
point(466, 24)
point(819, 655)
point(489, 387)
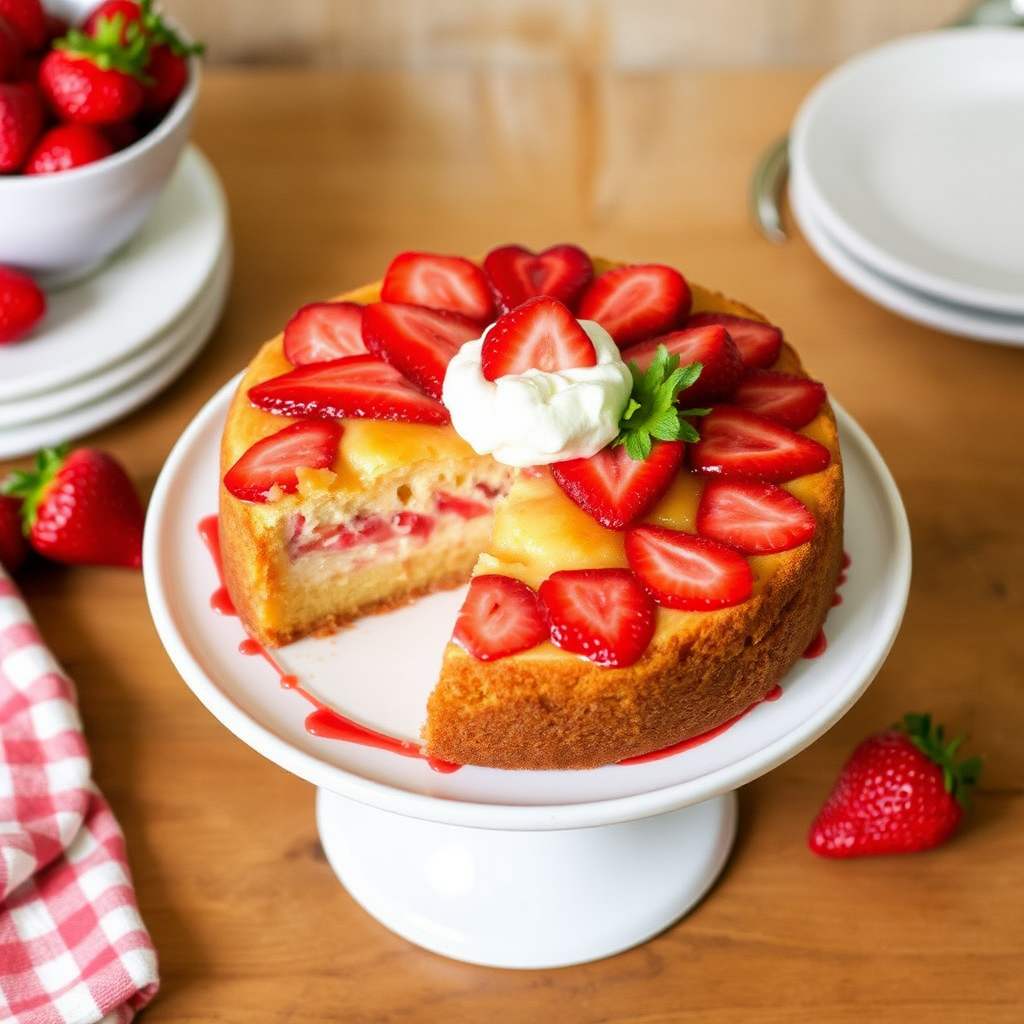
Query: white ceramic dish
point(60, 227)
point(107, 397)
point(914, 305)
point(135, 297)
point(48, 405)
point(519, 869)
point(913, 158)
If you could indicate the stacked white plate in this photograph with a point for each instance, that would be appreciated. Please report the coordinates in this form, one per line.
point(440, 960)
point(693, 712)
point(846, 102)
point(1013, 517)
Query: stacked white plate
point(907, 178)
point(111, 342)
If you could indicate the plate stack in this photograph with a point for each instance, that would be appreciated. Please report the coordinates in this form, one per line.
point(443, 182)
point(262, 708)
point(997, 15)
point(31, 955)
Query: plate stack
point(112, 341)
point(907, 178)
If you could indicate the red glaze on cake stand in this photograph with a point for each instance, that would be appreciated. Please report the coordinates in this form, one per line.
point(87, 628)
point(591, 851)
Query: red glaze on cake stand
point(507, 869)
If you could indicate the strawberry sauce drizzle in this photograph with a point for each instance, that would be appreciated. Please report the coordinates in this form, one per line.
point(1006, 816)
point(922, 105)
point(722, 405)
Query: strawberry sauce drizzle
point(323, 721)
point(329, 724)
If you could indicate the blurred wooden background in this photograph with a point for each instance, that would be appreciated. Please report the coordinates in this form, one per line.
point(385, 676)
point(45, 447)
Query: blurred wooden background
point(619, 34)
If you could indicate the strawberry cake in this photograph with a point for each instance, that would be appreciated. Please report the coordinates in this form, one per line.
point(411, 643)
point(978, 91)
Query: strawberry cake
point(637, 477)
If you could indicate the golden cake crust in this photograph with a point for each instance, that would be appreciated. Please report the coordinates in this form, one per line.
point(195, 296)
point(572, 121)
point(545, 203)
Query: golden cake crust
point(545, 709)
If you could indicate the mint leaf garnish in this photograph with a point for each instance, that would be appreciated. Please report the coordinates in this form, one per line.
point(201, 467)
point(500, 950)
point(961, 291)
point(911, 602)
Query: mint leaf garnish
point(652, 412)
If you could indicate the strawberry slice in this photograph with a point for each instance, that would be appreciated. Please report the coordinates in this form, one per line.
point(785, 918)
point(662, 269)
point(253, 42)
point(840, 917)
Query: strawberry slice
point(361, 387)
point(602, 614)
point(759, 343)
point(321, 331)
point(637, 301)
point(273, 460)
point(735, 442)
point(440, 282)
point(711, 346)
point(541, 334)
point(681, 570)
point(753, 517)
point(500, 616)
point(517, 274)
point(783, 397)
point(416, 340)
point(615, 489)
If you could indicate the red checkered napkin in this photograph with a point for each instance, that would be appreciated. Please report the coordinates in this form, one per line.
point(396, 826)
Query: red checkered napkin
point(73, 947)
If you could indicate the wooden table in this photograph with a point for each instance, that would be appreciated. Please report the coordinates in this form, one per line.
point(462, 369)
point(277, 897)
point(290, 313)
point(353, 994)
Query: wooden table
point(330, 174)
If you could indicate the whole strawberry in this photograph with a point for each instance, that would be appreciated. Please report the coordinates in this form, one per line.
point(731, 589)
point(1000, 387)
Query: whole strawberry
point(28, 20)
point(22, 117)
point(13, 546)
point(165, 71)
point(80, 507)
point(95, 79)
point(22, 304)
point(901, 791)
point(11, 52)
point(65, 146)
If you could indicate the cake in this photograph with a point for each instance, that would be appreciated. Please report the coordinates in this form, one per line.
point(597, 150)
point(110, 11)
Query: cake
point(631, 587)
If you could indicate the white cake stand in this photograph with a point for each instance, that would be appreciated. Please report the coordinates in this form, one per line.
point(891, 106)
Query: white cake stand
point(506, 869)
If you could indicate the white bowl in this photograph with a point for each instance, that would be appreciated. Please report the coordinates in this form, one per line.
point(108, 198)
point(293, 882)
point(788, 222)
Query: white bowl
point(59, 227)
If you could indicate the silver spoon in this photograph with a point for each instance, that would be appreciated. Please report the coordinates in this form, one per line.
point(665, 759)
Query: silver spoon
point(769, 178)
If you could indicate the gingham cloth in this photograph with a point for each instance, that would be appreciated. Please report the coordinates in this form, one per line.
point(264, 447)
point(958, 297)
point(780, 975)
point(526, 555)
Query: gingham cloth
point(73, 947)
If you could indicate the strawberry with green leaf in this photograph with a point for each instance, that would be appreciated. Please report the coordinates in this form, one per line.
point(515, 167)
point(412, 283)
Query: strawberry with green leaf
point(96, 79)
point(80, 507)
point(166, 67)
point(902, 790)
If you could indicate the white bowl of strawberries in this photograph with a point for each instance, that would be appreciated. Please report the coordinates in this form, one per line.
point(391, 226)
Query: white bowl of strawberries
point(96, 105)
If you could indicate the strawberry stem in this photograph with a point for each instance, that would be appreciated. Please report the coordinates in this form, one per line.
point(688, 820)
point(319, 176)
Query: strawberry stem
point(106, 50)
point(30, 485)
point(160, 32)
point(958, 777)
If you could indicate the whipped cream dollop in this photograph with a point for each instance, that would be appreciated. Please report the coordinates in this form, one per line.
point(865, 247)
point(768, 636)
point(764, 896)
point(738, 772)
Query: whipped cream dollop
point(536, 418)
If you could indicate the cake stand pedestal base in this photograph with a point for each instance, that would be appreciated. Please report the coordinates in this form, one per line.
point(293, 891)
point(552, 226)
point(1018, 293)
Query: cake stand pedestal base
point(526, 899)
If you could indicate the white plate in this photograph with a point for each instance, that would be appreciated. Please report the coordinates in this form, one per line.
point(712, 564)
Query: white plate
point(133, 383)
point(918, 306)
point(90, 390)
point(914, 158)
point(404, 648)
point(136, 296)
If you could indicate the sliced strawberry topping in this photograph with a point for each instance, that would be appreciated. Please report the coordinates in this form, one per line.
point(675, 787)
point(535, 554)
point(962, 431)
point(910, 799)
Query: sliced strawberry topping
point(759, 343)
point(711, 346)
point(783, 397)
point(683, 571)
point(737, 443)
point(541, 334)
point(362, 387)
point(753, 517)
point(517, 274)
point(500, 616)
point(321, 331)
point(440, 282)
point(273, 460)
point(602, 614)
point(416, 340)
point(616, 489)
point(637, 301)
